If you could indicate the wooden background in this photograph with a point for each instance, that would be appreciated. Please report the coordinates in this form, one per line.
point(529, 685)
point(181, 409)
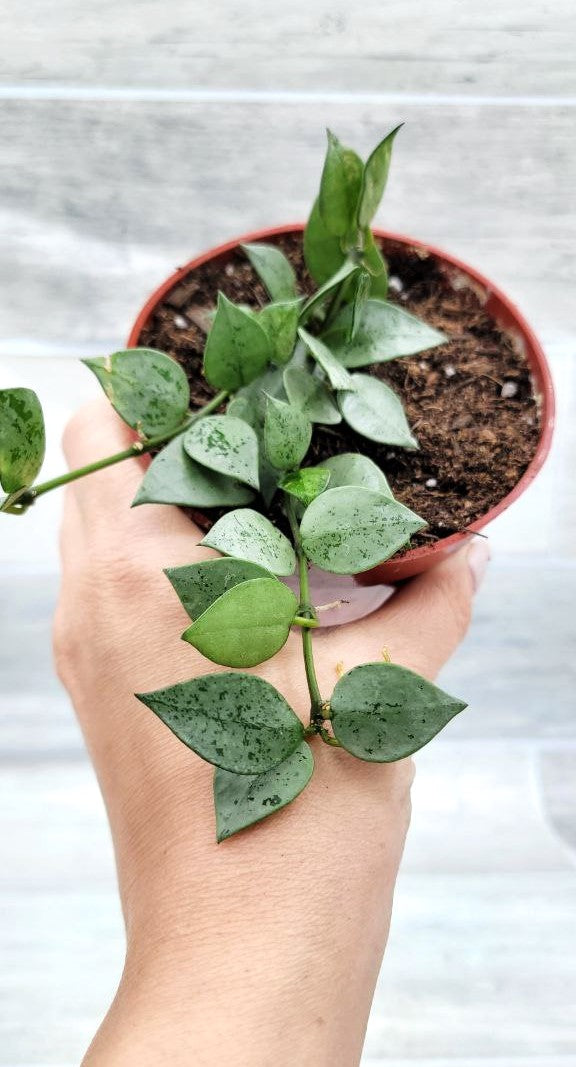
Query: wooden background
point(134, 134)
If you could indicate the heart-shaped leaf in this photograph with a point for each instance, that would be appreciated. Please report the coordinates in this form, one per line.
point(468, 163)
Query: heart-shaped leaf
point(306, 484)
point(22, 438)
point(374, 410)
point(351, 468)
point(274, 269)
point(336, 373)
point(246, 625)
point(280, 321)
point(339, 187)
point(385, 332)
point(237, 721)
point(174, 478)
point(225, 444)
point(374, 179)
point(351, 529)
point(148, 389)
point(237, 349)
point(249, 535)
point(311, 396)
point(198, 585)
point(347, 270)
point(287, 435)
point(240, 800)
point(382, 712)
point(323, 252)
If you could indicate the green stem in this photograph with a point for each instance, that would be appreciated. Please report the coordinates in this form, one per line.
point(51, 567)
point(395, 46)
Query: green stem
point(306, 611)
point(28, 496)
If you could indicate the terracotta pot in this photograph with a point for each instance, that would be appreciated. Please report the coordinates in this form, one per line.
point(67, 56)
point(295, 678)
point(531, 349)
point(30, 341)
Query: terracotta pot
point(505, 315)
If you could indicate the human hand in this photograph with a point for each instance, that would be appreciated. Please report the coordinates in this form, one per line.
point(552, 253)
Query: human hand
point(263, 950)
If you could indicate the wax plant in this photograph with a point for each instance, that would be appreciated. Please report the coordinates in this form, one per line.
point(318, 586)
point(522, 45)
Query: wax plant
point(275, 373)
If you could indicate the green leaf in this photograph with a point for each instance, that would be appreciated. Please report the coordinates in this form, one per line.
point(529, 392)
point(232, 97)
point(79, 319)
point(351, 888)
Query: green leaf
point(359, 299)
point(347, 270)
point(250, 404)
point(350, 529)
point(274, 269)
point(323, 252)
point(374, 179)
point(311, 396)
point(385, 332)
point(280, 321)
point(372, 257)
point(337, 374)
point(382, 712)
point(174, 478)
point(339, 187)
point(236, 721)
point(249, 535)
point(240, 800)
point(306, 484)
point(22, 438)
point(351, 468)
point(246, 625)
point(198, 585)
point(225, 444)
point(287, 435)
point(237, 349)
point(148, 389)
point(375, 411)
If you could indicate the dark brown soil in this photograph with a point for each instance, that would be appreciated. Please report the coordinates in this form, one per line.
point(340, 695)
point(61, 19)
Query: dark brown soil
point(470, 402)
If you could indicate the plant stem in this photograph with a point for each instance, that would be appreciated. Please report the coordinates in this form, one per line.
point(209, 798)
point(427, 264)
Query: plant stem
point(306, 610)
point(28, 496)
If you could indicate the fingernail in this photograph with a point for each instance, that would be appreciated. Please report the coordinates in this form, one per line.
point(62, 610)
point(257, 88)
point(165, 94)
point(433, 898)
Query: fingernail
point(478, 557)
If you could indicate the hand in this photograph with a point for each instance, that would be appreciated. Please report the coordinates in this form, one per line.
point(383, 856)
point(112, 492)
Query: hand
point(263, 950)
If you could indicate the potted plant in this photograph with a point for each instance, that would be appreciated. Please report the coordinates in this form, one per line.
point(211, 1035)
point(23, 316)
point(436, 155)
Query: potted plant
point(330, 396)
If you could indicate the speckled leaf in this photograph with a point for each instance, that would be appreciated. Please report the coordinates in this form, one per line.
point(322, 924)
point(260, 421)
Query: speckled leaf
point(198, 585)
point(22, 438)
point(311, 396)
point(351, 468)
point(374, 410)
point(336, 373)
point(237, 349)
point(240, 800)
point(246, 625)
point(274, 270)
point(374, 179)
point(322, 251)
point(339, 187)
point(225, 444)
point(306, 484)
point(237, 721)
point(350, 529)
point(250, 404)
point(385, 332)
point(382, 712)
point(148, 389)
point(174, 478)
point(347, 270)
point(280, 322)
point(249, 535)
point(287, 434)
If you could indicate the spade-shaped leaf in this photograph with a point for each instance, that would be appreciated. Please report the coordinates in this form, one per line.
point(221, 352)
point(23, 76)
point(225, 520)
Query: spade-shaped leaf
point(339, 187)
point(236, 721)
point(287, 434)
point(280, 321)
point(350, 529)
point(251, 536)
point(374, 410)
point(351, 468)
point(274, 269)
point(225, 444)
point(198, 585)
point(385, 331)
point(336, 373)
point(374, 179)
point(311, 396)
point(237, 349)
point(306, 484)
point(246, 625)
point(22, 438)
point(382, 712)
point(240, 800)
point(148, 389)
point(174, 478)
point(322, 251)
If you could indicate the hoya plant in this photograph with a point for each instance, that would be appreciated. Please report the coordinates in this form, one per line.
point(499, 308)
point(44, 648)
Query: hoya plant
point(275, 374)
